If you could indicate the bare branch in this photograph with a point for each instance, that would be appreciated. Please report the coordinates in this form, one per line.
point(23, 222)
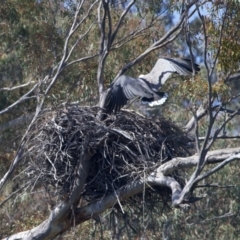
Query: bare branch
point(233, 77)
point(188, 40)
point(76, 43)
point(102, 47)
point(107, 40)
point(51, 227)
point(201, 112)
point(14, 164)
point(21, 99)
point(41, 98)
point(220, 137)
point(206, 144)
point(77, 26)
point(217, 168)
point(58, 221)
point(196, 132)
point(80, 60)
point(212, 157)
point(134, 34)
point(209, 101)
point(160, 43)
point(120, 21)
point(215, 135)
point(16, 87)
point(14, 193)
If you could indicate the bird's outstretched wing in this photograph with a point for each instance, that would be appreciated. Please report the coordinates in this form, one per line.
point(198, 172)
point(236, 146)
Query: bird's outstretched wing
point(124, 89)
point(165, 67)
point(146, 87)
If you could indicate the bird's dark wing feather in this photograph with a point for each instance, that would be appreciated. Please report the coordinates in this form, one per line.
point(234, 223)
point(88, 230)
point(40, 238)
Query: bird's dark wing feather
point(124, 89)
point(183, 66)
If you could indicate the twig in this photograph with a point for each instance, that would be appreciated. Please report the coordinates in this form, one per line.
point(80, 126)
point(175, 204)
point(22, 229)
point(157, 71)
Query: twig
point(14, 193)
point(21, 99)
point(16, 87)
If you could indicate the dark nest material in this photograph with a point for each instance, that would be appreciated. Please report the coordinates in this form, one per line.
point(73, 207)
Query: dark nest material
point(125, 147)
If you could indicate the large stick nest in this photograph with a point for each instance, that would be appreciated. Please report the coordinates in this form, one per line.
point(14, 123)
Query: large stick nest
point(124, 148)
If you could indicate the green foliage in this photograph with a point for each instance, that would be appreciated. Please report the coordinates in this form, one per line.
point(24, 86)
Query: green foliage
point(223, 34)
point(32, 35)
point(229, 57)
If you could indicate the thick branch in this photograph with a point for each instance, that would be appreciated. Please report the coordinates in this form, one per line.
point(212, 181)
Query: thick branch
point(54, 225)
point(60, 218)
point(189, 162)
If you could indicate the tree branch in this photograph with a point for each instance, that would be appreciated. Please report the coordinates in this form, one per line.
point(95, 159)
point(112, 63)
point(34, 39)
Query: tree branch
point(21, 99)
point(60, 220)
point(160, 43)
point(212, 157)
point(201, 112)
point(16, 87)
point(49, 82)
point(52, 227)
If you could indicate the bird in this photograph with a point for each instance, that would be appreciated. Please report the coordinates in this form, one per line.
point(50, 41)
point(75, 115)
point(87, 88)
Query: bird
point(147, 86)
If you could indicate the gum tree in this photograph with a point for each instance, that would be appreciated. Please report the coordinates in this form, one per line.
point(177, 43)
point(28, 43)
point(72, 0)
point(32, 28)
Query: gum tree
point(210, 100)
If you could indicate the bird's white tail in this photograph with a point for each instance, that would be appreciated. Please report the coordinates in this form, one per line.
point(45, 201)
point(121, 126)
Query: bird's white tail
point(159, 102)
